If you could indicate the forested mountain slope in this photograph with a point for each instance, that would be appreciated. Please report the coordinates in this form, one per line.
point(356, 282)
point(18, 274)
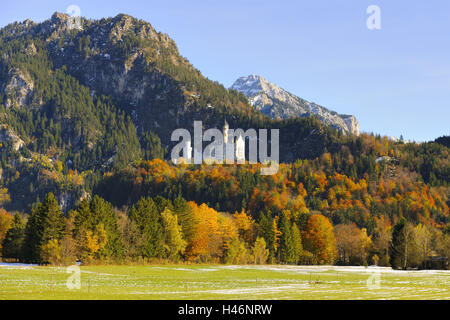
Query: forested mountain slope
point(76, 102)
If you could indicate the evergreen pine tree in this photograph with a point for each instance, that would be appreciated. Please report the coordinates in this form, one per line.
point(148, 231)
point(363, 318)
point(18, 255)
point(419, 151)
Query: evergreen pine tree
point(268, 234)
point(401, 245)
point(145, 215)
point(103, 215)
point(45, 224)
point(287, 249)
point(185, 217)
point(297, 242)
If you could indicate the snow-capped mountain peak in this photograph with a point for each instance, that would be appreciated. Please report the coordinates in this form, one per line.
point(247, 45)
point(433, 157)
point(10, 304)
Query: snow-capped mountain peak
point(276, 102)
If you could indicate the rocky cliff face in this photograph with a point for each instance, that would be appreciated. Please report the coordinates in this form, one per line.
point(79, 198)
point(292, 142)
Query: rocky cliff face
point(19, 89)
point(7, 135)
point(278, 103)
point(352, 123)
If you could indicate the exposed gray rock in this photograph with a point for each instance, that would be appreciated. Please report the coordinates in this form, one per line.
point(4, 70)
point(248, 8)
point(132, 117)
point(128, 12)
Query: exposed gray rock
point(7, 135)
point(19, 89)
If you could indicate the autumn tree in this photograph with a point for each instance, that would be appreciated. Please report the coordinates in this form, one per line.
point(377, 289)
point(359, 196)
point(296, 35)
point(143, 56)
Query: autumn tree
point(5, 223)
point(228, 231)
point(236, 252)
point(12, 244)
point(4, 195)
point(174, 244)
point(51, 252)
point(352, 244)
point(68, 250)
point(206, 242)
point(443, 243)
point(381, 243)
point(423, 244)
point(68, 245)
point(89, 242)
point(245, 226)
point(259, 251)
point(319, 239)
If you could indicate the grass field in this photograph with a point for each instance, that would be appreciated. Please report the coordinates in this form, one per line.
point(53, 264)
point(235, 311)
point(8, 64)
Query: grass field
point(223, 282)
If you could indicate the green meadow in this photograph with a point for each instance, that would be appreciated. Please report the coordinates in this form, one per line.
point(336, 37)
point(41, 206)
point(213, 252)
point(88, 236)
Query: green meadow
point(222, 282)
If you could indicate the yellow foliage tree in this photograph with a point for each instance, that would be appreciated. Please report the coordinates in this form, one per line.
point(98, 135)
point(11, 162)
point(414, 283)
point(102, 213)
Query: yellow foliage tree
point(245, 225)
point(174, 244)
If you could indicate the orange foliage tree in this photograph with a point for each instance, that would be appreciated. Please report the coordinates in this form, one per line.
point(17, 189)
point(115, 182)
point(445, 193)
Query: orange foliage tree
point(5, 224)
point(320, 240)
point(213, 233)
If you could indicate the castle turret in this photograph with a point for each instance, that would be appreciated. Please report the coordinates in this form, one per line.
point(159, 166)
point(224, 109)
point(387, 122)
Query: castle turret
point(188, 150)
point(240, 150)
point(226, 127)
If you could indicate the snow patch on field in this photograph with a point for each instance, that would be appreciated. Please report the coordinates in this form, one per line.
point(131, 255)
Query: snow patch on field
point(105, 274)
point(4, 265)
point(308, 269)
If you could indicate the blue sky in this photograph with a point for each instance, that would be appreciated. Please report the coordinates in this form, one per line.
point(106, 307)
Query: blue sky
point(395, 80)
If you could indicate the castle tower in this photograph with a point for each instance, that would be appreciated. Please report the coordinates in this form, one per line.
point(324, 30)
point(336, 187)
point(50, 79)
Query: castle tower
point(226, 127)
point(240, 150)
point(228, 146)
point(188, 156)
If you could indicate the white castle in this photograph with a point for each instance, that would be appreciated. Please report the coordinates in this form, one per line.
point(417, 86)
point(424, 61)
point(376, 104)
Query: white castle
point(233, 151)
point(226, 146)
point(238, 146)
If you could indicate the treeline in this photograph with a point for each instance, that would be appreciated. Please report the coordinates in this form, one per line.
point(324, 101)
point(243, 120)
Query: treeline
point(304, 186)
point(157, 230)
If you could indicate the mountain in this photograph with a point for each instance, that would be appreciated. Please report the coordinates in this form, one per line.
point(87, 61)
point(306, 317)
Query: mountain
point(122, 62)
point(278, 103)
point(129, 61)
point(76, 103)
point(91, 111)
